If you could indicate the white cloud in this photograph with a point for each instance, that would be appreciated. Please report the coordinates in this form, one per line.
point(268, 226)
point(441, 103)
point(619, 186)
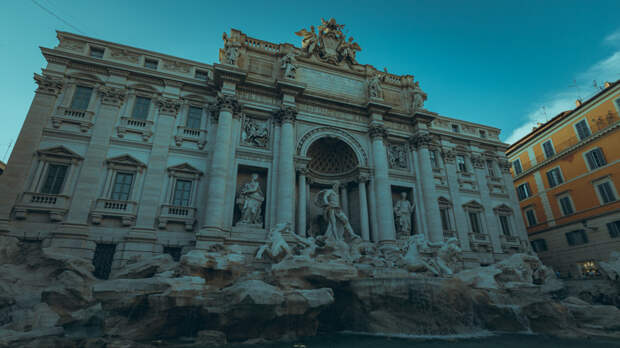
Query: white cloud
point(607, 69)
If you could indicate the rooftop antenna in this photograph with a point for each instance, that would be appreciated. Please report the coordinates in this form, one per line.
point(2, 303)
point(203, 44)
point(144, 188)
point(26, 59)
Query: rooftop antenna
point(580, 98)
point(544, 111)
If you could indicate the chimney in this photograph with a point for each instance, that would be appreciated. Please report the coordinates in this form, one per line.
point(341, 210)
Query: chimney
point(578, 102)
point(607, 84)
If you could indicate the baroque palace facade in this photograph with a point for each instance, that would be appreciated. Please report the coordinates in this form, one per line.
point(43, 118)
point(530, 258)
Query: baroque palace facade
point(129, 152)
point(566, 172)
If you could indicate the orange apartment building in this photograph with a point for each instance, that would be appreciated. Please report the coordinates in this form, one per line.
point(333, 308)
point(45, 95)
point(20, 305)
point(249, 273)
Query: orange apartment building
point(567, 176)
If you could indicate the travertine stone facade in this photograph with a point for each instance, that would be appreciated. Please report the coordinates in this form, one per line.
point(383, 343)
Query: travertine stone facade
point(152, 153)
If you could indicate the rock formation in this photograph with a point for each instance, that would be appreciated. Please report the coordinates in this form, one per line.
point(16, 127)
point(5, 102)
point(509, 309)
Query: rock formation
point(304, 286)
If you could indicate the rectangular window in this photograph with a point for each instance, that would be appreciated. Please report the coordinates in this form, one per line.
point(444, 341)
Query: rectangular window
point(434, 159)
point(582, 129)
point(460, 164)
point(201, 75)
point(194, 117)
point(54, 179)
point(445, 219)
point(606, 192)
point(595, 158)
point(554, 177)
point(531, 217)
point(102, 260)
point(474, 220)
point(566, 205)
point(96, 52)
point(503, 220)
point(577, 237)
point(524, 191)
point(122, 186)
point(614, 229)
point(150, 63)
point(455, 128)
point(182, 193)
point(539, 245)
point(483, 134)
point(490, 168)
point(516, 165)
point(81, 98)
point(548, 149)
point(141, 108)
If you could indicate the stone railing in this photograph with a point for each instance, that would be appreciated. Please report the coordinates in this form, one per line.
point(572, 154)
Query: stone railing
point(480, 242)
point(510, 241)
point(449, 234)
point(55, 205)
point(199, 136)
point(175, 213)
point(263, 45)
point(126, 210)
point(83, 118)
point(132, 125)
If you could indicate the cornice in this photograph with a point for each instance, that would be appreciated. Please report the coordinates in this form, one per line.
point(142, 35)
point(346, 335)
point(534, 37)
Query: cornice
point(228, 73)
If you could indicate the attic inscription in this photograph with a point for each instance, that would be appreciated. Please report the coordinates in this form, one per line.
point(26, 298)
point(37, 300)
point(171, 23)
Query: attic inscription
point(335, 84)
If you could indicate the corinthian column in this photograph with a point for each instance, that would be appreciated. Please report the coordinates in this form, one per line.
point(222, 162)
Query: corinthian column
point(286, 167)
point(431, 212)
point(383, 193)
point(20, 162)
point(225, 106)
point(361, 182)
point(301, 202)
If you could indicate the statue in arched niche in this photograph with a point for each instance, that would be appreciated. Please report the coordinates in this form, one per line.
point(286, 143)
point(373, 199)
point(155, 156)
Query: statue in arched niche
point(250, 201)
point(403, 209)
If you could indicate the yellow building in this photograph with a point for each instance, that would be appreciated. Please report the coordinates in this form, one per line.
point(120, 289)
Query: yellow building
point(567, 176)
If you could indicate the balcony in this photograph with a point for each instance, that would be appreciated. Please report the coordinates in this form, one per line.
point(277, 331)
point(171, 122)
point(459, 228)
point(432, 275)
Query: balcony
point(125, 210)
point(480, 242)
point(510, 242)
point(199, 136)
point(56, 205)
point(144, 128)
point(174, 213)
point(83, 118)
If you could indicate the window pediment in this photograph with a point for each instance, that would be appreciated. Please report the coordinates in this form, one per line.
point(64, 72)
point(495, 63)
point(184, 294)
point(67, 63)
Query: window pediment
point(503, 209)
point(184, 169)
point(443, 201)
point(473, 205)
point(59, 152)
point(125, 161)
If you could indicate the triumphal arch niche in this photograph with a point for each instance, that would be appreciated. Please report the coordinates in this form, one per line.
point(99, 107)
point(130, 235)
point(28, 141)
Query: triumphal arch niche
point(298, 135)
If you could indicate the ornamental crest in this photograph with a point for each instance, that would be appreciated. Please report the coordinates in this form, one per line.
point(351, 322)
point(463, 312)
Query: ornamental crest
point(330, 44)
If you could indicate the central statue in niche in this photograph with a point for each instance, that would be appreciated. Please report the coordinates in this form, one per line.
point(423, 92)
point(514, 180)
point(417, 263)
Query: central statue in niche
point(337, 222)
point(250, 202)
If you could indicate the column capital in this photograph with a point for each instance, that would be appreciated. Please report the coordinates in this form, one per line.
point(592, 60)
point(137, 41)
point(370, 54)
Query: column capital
point(362, 178)
point(448, 155)
point(477, 161)
point(287, 114)
point(302, 170)
point(377, 130)
point(112, 96)
point(420, 139)
point(168, 106)
point(504, 165)
point(48, 84)
point(225, 102)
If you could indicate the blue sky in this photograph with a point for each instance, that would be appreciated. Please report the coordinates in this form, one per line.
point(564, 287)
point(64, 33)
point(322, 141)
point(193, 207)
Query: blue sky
point(501, 63)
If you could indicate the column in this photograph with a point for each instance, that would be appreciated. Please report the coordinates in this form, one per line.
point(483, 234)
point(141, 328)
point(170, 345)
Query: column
point(344, 199)
point(493, 229)
point(84, 195)
point(427, 183)
point(383, 194)
point(214, 216)
point(462, 226)
point(21, 160)
point(514, 202)
point(286, 168)
point(301, 202)
point(372, 203)
point(361, 182)
point(155, 177)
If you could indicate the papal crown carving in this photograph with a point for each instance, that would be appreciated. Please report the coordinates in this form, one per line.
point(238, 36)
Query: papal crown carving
point(330, 44)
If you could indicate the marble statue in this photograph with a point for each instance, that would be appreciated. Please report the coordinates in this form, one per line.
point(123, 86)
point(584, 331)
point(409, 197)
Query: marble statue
point(348, 50)
point(250, 201)
point(309, 40)
point(449, 256)
point(337, 222)
point(374, 87)
point(231, 51)
point(403, 209)
point(255, 134)
point(276, 246)
point(397, 156)
point(418, 97)
point(289, 66)
point(414, 260)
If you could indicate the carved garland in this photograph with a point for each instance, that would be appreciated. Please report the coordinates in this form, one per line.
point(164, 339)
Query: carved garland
point(169, 106)
point(111, 95)
point(477, 161)
point(48, 84)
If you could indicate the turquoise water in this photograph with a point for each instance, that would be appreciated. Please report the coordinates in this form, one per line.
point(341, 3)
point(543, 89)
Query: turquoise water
point(502, 341)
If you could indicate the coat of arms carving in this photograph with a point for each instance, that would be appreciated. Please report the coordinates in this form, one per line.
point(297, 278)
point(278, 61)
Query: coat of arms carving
point(330, 44)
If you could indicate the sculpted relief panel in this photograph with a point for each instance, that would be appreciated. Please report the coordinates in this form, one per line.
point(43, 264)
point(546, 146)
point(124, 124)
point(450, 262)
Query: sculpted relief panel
point(255, 133)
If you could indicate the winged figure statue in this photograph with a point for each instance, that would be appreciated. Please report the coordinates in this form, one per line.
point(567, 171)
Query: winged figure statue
point(309, 40)
point(348, 50)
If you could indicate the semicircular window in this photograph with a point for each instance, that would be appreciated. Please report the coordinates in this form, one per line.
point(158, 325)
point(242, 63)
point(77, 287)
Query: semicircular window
point(331, 156)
